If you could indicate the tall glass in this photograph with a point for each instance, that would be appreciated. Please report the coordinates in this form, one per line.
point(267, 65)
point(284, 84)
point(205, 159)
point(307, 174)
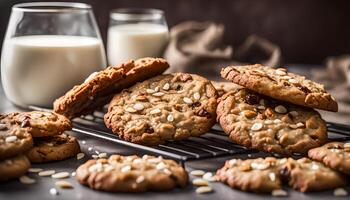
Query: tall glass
point(49, 48)
point(135, 33)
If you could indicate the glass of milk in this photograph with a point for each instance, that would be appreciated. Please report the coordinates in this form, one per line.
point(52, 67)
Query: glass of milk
point(135, 33)
point(48, 48)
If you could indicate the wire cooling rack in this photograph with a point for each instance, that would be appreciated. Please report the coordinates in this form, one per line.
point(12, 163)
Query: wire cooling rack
point(214, 143)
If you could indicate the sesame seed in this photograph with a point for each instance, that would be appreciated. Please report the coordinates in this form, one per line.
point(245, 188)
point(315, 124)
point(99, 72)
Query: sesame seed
point(204, 189)
point(138, 106)
point(256, 126)
point(64, 184)
point(130, 110)
point(155, 111)
point(35, 170)
point(280, 109)
point(280, 72)
point(150, 91)
point(166, 86)
point(272, 176)
point(60, 175)
point(26, 180)
point(140, 179)
point(279, 193)
point(47, 173)
point(196, 96)
point(197, 173)
point(170, 118)
point(293, 80)
point(158, 94)
point(187, 100)
point(11, 138)
point(200, 182)
point(126, 168)
point(80, 156)
point(102, 155)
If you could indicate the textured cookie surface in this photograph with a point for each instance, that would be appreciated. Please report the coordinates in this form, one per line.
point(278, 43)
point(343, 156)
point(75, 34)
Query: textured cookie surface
point(166, 107)
point(281, 84)
point(14, 139)
point(54, 148)
point(259, 175)
point(306, 175)
point(259, 122)
point(335, 155)
point(42, 124)
point(13, 167)
point(132, 174)
point(99, 88)
point(225, 87)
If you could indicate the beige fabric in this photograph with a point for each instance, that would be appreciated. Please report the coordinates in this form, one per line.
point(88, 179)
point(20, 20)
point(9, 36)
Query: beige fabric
point(197, 47)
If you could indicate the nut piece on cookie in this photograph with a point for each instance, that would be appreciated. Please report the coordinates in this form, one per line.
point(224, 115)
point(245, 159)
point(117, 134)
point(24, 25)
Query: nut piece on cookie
point(224, 87)
point(132, 174)
point(281, 84)
point(335, 155)
point(259, 122)
point(163, 108)
point(43, 124)
point(261, 175)
point(99, 88)
point(54, 148)
point(306, 175)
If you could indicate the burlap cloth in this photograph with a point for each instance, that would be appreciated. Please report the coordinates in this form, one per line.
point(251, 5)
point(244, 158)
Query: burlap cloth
point(197, 47)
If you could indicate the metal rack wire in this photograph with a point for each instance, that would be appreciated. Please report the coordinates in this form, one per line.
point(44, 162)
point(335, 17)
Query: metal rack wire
point(210, 145)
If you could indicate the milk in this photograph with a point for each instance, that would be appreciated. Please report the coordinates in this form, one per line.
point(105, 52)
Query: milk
point(132, 41)
point(36, 70)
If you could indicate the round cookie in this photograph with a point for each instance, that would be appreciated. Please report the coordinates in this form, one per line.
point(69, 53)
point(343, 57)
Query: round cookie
point(54, 148)
point(42, 124)
point(281, 84)
point(335, 155)
point(99, 88)
point(262, 123)
point(132, 174)
point(306, 175)
point(259, 175)
point(13, 167)
point(164, 108)
point(14, 140)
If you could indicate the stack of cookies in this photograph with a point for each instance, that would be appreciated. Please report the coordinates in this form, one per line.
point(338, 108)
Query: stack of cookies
point(272, 110)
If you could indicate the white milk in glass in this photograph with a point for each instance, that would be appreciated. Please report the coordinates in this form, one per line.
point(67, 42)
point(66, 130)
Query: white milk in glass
point(38, 69)
point(132, 41)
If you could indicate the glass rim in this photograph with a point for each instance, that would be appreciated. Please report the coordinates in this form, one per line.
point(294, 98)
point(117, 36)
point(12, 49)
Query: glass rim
point(51, 7)
point(136, 14)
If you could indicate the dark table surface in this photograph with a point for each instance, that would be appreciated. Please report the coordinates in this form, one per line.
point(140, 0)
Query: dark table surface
point(40, 190)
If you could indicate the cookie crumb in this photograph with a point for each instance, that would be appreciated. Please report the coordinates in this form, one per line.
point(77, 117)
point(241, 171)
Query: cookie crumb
point(53, 192)
point(83, 142)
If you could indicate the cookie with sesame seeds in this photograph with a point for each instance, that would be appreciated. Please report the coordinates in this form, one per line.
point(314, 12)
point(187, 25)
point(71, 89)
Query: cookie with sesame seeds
point(43, 124)
point(306, 175)
point(261, 175)
point(335, 155)
point(13, 167)
point(53, 148)
point(14, 139)
point(262, 123)
point(281, 84)
point(163, 108)
point(132, 174)
point(99, 88)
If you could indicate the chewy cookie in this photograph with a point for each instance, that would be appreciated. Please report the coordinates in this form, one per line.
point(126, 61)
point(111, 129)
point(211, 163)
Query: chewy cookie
point(166, 107)
point(42, 124)
point(99, 87)
point(306, 175)
point(335, 155)
point(14, 140)
point(58, 147)
point(259, 122)
point(132, 174)
point(259, 175)
point(281, 84)
point(13, 167)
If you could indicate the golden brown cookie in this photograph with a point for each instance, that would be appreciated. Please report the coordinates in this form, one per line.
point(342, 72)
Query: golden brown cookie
point(14, 139)
point(335, 155)
point(306, 175)
point(13, 167)
point(99, 88)
point(259, 175)
point(132, 174)
point(259, 122)
point(42, 124)
point(281, 84)
point(163, 108)
point(54, 148)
